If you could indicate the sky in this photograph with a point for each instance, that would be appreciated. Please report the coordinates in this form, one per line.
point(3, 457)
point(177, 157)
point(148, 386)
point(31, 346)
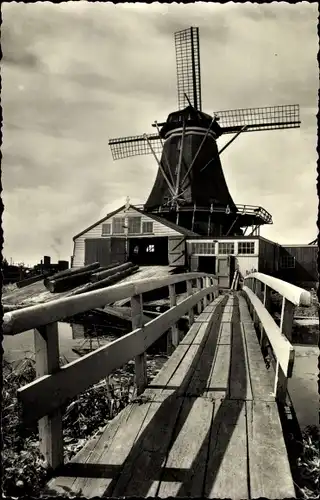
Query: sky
point(76, 74)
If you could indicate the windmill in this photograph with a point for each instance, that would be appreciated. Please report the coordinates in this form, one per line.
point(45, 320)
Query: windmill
point(190, 187)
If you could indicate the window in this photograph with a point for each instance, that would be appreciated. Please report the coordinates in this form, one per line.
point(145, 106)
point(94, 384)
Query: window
point(106, 229)
point(150, 248)
point(203, 248)
point(246, 247)
point(287, 262)
point(226, 248)
point(134, 225)
point(118, 224)
point(147, 227)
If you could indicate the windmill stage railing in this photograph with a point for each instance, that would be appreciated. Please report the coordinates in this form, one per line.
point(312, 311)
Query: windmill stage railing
point(275, 340)
point(43, 399)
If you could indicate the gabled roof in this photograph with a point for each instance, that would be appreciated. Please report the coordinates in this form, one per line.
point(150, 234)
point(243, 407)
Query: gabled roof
point(171, 225)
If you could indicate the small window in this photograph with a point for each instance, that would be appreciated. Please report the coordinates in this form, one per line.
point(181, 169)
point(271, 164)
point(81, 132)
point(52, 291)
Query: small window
point(287, 262)
point(246, 247)
point(106, 229)
point(226, 248)
point(147, 227)
point(150, 248)
point(203, 248)
point(118, 224)
point(134, 225)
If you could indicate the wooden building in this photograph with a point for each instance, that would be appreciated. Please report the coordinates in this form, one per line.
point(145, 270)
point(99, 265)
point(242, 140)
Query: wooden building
point(147, 239)
point(130, 234)
point(298, 264)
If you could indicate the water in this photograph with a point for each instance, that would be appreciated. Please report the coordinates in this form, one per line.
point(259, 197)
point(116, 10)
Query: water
point(19, 346)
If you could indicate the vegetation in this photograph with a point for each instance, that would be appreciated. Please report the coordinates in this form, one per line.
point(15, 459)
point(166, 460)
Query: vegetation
point(24, 470)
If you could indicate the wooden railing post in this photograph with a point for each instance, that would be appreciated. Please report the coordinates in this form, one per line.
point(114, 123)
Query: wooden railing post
point(190, 313)
point(199, 287)
point(46, 341)
point(280, 384)
point(287, 313)
point(140, 361)
point(205, 298)
point(174, 333)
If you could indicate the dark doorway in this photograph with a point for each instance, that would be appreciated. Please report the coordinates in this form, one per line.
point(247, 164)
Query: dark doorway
point(148, 251)
point(207, 264)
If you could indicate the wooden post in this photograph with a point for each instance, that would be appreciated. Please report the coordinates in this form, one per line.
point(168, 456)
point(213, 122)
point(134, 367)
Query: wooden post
point(199, 287)
point(46, 341)
point(140, 361)
point(287, 313)
point(174, 333)
point(190, 313)
point(280, 384)
point(205, 300)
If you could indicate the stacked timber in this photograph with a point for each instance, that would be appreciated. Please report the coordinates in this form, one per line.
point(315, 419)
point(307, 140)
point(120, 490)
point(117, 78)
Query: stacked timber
point(30, 281)
point(70, 278)
point(100, 275)
point(110, 280)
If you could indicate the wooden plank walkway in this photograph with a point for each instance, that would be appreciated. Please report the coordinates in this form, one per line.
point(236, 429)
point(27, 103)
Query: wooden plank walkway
point(207, 425)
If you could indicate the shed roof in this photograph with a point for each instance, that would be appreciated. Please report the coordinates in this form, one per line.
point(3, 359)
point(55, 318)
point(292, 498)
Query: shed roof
point(161, 220)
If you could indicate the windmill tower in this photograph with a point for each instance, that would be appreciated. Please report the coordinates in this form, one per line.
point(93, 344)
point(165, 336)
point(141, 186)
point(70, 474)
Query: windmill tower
point(190, 187)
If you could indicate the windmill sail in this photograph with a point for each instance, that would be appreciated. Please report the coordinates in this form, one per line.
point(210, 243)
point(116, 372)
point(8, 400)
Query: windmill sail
point(188, 67)
point(125, 147)
point(267, 118)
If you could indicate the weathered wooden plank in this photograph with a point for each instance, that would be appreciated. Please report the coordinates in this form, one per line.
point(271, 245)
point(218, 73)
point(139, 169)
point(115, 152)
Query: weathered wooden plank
point(269, 478)
point(260, 378)
point(198, 383)
point(142, 469)
point(227, 458)
point(218, 380)
point(202, 332)
point(185, 370)
point(174, 333)
point(184, 469)
point(204, 316)
point(69, 482)
point(118, 450)
point(192, 332)
point(170, 367)
point(287, 313)
point(225, 333)
point(239, 384)
point(226, 316)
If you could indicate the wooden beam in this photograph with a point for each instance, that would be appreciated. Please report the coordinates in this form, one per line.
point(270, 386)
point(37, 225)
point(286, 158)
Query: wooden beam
point(281, 347)
point(140, 360)
point(298, 296)
point(174, 333)
point(46, 342)
point(190, 312)
point(199, 287)
point(287, 313)
point(31, 317)
point(77, 376)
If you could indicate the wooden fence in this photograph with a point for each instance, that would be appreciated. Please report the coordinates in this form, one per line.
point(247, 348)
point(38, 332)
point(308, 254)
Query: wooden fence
point(273, 338)
point(42, 400)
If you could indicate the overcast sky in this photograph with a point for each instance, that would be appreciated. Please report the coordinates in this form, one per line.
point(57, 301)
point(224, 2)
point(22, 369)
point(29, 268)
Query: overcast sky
point(76, 74)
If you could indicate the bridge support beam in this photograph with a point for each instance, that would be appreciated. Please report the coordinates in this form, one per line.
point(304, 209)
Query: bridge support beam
point(173, 335)
point(191, 313)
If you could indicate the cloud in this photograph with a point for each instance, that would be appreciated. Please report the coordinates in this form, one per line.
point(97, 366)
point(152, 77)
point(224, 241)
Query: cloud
point(76, 74)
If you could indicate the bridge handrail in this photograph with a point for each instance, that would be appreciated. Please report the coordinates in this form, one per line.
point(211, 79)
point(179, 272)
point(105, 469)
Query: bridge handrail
point(54, 386)
point(296, 295)
point(20, 320)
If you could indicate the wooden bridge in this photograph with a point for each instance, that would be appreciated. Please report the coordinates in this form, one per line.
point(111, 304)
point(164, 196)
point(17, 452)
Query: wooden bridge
point(207, 425)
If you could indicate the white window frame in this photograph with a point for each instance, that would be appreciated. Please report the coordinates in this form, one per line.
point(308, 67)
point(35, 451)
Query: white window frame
point(226, 243)
point(106, 224)
point(131, 219)
point(243, 242)
point(117, 219)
